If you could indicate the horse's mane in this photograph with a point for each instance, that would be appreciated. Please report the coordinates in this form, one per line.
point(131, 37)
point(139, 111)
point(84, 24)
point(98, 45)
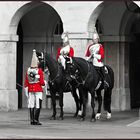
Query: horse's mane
point(51, 63)
point(82, 65)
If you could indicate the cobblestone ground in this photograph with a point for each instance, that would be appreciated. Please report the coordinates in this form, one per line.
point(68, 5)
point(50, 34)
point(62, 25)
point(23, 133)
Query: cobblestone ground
point(15, 125)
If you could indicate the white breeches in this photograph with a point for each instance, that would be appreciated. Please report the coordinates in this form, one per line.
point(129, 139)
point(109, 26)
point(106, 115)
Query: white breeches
point(62, 60)
point(33, 99)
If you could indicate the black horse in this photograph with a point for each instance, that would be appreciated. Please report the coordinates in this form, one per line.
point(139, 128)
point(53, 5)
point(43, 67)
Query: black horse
point(58, 83)
point(86, 75)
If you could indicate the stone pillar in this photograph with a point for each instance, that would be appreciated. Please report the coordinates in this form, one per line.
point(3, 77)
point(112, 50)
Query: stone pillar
point(8, 92)
point(117, 56)
point(124, 76)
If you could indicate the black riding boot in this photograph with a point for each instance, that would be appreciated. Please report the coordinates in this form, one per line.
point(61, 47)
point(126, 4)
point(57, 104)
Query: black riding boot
point(37, 113)
point(32, 116)
point(106, 85)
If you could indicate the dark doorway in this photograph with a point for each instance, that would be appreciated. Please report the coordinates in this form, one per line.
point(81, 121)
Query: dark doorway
point(135, 72)
point(19, 68)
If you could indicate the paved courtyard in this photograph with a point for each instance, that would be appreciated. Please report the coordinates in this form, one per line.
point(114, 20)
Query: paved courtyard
point(15, 124)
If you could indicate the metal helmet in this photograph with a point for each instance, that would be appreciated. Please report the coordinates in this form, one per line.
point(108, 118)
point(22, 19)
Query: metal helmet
point(34, 61)
point(95, 36)
point(65, 38)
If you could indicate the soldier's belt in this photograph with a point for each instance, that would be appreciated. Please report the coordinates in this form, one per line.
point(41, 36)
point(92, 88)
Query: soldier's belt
point(34, 82)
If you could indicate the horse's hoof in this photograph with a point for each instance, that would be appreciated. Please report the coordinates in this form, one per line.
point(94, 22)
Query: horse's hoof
point(79, 113)
point(53, 118)
point(108, 115)
point(81, 119)
point(61, 118)
point(98, 116)
point(75, 115)
point(93, 120)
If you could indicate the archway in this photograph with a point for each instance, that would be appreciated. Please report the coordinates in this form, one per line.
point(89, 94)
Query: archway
point(39, 27)
point(130, 27)
point(114, 22)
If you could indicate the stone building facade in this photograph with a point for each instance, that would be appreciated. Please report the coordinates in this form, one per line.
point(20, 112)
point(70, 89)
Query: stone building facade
point(26, 25)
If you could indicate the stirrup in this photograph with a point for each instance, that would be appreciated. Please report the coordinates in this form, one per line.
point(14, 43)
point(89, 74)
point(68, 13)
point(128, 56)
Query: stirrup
point(106, 85)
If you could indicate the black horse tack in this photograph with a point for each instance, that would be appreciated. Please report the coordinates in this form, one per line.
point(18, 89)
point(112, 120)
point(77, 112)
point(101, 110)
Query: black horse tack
point(58, 83)
point(86, 75)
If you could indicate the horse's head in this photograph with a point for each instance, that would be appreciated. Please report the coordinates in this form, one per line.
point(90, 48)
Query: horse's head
point(40, 56)
point(71, 70)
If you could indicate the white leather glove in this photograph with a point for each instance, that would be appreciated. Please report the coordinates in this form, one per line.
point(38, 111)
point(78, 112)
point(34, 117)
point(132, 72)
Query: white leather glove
point(97, 56)
point(37, 76)
point(26, 92)
point(45, 82)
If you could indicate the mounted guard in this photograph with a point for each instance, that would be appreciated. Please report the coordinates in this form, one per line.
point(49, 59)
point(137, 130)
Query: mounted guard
point(66, 52)
point(95, 55)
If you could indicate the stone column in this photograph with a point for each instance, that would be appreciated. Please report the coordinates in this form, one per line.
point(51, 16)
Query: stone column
point(8, 92)
point(117, 56)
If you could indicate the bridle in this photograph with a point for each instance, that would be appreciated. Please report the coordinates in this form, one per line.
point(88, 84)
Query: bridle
point(43, 59)
point(76, 76)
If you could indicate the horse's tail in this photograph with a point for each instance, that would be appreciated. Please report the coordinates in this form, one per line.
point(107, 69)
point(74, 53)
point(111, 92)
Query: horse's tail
point(111, 76)
point(108, 92)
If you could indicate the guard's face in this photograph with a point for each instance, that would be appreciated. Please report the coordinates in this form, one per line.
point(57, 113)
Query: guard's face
point(96, 40)
point(65, 43)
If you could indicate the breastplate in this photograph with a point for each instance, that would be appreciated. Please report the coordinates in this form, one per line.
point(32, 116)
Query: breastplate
point(32, 72)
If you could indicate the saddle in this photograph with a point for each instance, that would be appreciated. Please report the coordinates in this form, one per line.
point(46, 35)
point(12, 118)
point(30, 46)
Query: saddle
point(99, 72)
point(101, 80)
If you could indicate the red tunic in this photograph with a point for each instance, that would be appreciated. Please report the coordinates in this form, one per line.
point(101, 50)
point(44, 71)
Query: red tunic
point(35, 87)
point(100, 52)
point(71, 53)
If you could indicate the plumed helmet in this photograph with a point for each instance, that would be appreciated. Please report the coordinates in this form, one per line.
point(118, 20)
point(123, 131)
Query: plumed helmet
point(65, 37)
point(95, 36)
point(34, 62)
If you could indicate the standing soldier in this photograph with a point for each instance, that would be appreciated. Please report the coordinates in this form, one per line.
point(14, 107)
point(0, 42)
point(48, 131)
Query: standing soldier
point(34, 81)
point(66, 52)
point(95, 54)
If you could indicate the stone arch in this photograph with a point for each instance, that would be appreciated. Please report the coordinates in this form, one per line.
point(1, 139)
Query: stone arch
point(38, 21)
point(114, 38)
point(131, 30)
point(93, 18)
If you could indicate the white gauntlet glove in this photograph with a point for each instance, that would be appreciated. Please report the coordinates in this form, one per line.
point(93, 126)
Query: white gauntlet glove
point(45, 82)
point(37, 76)
point(26, 91)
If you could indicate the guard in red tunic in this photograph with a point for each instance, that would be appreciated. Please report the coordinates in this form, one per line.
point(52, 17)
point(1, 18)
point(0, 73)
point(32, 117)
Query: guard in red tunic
point(95, 54)
point(34, 81)
point(66, 52)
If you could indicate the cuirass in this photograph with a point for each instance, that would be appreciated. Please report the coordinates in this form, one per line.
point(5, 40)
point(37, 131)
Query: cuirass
point(31, 73)
point(94, 49)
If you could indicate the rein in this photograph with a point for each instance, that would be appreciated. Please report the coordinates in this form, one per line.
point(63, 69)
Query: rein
point(58, 69)
point(87, 73)
point(83, 80)
point(52, 81)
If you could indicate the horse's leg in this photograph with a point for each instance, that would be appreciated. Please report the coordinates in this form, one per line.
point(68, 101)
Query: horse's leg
point(93, 119)
point(84, 97)
point(80, 101)
point(53, 97)
point(75, 96)
point(99, 99)
point(61, 117)
point(107, 102)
